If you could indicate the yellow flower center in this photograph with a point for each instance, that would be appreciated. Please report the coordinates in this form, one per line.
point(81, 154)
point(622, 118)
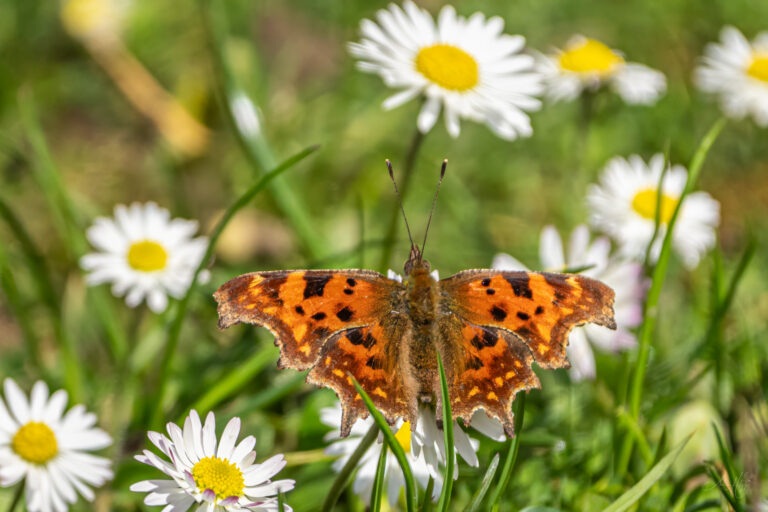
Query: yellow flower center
point(220, 476)
point(403, 436)
point(645, 204)
point(758, 68)
point(35, 442)
point(147, 256)
point(447, 66)
point(590, 56)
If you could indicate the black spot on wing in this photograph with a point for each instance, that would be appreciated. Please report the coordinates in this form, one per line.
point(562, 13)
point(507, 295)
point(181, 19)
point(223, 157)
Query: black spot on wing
point(539, 310)
point(351, 282)
point(369, 341)
point(318, 316)
point(355, 337)
point(498, 314)
point(523, 316)
point(490, 338)
point(375, 363)
point(475, 363)
point(519, 284)
point(299, 310)
point(485, 282)
point(315, 285)
point(348, 291)
point(490, 291)
point(345, 315)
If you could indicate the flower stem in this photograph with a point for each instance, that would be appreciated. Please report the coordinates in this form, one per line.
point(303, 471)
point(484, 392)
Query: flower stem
point(408, 164)
point(16, 496)
point(651, 309)
point(341, 480)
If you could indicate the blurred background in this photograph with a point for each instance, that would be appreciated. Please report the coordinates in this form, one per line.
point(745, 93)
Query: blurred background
point(131, 98)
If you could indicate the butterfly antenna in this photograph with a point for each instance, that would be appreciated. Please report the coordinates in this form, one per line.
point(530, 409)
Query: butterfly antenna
point(434, 202)
point(399, 200)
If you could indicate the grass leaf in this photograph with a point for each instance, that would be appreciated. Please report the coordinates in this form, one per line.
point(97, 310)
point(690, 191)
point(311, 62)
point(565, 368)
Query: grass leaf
point(513, 445)
point(394, 445)
point(377, 492)
point(450, 449)
point(634, 493)
point(349, 467)
point(474, 505)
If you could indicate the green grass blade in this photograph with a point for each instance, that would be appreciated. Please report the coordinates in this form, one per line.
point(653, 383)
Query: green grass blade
point(377, 493)
point(635, 492)
point(426, 505)
point(723, 489)
point(181, 311)
point(280, 502)
point(513, 446)
point(477, 499)
point(394, 445)
point(650, 311)
point(349, 467)
point(725, 457)
point(450, 450)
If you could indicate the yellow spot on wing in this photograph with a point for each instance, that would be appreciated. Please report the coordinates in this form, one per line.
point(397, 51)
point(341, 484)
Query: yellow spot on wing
point(543, 349)
point(327, 360)
point(380, 392)
point(338, 372)
point(299, 331)
point(474, 391)
point(499, 381)
point(270, 310)
point(509, 374)
point(304, 349)
point(255, 280)
point(492, 396)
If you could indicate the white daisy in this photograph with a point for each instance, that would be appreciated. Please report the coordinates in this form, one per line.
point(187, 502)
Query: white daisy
point(144, 254)
point(424, 448)
point(47, 448)
point(624, 205)
point(625, 277)
point(737, 71)
point(588, 64)
point(222, 478)
point(465, 66)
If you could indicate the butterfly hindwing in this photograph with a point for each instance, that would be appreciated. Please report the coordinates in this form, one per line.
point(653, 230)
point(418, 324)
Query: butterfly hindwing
point(539, 308)
point(370, 355)
point(486, 367)
point(304, 308)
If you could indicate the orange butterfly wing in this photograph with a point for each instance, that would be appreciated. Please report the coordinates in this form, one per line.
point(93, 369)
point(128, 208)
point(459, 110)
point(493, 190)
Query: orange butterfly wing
point(503, 321)
point(337, 322)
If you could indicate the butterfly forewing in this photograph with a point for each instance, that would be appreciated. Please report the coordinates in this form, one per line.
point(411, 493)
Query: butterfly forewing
point(304, 308)
point(502, 322)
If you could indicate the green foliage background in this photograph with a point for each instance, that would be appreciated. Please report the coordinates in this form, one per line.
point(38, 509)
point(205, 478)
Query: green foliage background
point(290, 58)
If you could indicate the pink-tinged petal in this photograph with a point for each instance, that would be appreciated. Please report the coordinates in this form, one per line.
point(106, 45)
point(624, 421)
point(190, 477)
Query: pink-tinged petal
point(209, 495)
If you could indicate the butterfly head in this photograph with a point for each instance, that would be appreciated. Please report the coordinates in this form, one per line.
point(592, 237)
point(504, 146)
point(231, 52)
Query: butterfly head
point(416, 262)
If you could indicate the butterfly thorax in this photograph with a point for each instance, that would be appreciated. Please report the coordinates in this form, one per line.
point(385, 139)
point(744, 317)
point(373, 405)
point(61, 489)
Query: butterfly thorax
point(422, 299)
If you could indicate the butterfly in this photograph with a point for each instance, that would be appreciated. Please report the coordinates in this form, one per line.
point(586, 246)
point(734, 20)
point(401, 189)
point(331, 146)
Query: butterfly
point(488, 327)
